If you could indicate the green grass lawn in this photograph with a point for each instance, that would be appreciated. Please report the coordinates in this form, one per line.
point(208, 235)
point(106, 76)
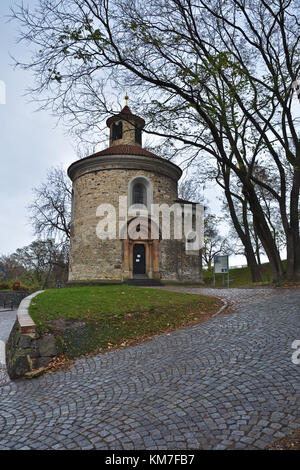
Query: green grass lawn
point(92, 319)
point(241, 277)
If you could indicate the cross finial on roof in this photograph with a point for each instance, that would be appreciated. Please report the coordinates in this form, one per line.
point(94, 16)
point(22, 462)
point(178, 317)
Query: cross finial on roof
point(126, 99)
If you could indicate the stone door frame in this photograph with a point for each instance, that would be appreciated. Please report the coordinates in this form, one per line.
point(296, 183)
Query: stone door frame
point(152, 269)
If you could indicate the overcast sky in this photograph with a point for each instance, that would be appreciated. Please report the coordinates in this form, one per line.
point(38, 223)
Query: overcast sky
point(30, 142)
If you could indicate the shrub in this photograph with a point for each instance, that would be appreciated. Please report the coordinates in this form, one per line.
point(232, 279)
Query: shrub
point(4, 285)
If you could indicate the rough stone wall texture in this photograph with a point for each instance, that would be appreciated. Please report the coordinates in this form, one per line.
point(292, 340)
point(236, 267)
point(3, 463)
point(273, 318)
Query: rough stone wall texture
point(176, 264)
point(191, 266)
point(90, 257)
point(128, 137)
point(27, 351)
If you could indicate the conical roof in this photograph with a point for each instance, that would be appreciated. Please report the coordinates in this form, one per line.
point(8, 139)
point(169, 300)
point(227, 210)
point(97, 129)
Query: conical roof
point(126, 115)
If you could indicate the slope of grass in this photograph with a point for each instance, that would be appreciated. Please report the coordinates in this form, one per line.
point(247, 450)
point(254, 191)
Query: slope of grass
point(241, 277)
point(89, 319)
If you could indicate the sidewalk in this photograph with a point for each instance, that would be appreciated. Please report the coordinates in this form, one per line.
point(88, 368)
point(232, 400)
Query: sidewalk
point(7, 320)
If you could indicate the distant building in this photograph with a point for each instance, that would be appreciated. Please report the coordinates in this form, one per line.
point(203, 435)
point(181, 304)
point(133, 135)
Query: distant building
point(126, 169)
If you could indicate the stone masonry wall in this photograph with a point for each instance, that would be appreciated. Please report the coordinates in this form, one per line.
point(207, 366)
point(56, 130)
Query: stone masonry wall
point(26, 349)
point(177, 265)
point(90, 257)
point(128, 137)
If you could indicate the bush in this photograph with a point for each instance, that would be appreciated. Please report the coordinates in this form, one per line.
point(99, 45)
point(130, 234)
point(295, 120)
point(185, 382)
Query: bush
point(21, 287)
point(10, 286)
point(4, 286)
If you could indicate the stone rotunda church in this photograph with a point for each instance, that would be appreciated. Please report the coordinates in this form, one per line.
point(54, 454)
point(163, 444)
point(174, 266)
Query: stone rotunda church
point(125, 169)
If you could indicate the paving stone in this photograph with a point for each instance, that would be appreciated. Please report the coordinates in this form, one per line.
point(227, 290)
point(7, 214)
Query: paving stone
point(228, 383)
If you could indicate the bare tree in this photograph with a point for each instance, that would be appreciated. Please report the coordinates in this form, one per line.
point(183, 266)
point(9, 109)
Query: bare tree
point(189, 190)
point(43, 262)
point(50, 211)
point(14, 268)
point(208, 74)
point(214, 243)
point(237, 206)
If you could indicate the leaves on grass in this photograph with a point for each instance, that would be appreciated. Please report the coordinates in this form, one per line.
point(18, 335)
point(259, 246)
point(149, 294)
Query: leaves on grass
point(125, 315)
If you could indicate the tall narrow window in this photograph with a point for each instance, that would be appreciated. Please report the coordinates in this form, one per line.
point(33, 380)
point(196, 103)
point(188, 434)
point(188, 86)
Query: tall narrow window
point(138, 135)
point(72, 205)
point(139, 194)
point(117, 131)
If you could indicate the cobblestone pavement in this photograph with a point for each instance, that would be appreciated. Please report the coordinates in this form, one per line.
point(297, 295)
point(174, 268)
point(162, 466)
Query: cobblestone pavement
point(228, 383)
point(235, 297)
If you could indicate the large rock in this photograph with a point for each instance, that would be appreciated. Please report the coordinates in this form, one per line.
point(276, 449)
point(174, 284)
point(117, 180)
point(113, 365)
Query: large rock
point(47, 346)
point(28, 351)
point(18, 366)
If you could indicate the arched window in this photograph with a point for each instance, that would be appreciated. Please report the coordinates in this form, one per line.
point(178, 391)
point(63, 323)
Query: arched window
point(139, 194)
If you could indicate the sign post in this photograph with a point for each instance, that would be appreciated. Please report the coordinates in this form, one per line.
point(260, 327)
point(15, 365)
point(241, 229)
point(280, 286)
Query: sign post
point(221, 266)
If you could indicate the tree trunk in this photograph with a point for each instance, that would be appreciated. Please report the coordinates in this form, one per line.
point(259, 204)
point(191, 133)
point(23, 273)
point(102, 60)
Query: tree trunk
point(293, 238)
point(258, 256)
point(252, 263)
point(256, 241)
point(244, 236)
point(264, 234)
point(250, 255)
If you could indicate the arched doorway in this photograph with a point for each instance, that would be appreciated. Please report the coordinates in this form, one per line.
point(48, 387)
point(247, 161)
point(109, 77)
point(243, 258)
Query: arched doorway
point(141, 249)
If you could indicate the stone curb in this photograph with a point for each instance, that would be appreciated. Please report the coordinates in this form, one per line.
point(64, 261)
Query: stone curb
point(225, 305)
point(26, 348)
point(25, 321)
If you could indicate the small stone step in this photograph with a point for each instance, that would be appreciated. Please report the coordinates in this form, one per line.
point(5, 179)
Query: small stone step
point(143, 282)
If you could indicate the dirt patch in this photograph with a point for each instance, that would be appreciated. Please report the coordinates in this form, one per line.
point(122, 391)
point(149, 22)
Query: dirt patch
point(62, 325)
point(289, 442)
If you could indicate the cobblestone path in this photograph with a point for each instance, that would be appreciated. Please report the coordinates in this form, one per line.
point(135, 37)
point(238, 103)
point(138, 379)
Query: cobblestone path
point(235, 297)
point(228, 383)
